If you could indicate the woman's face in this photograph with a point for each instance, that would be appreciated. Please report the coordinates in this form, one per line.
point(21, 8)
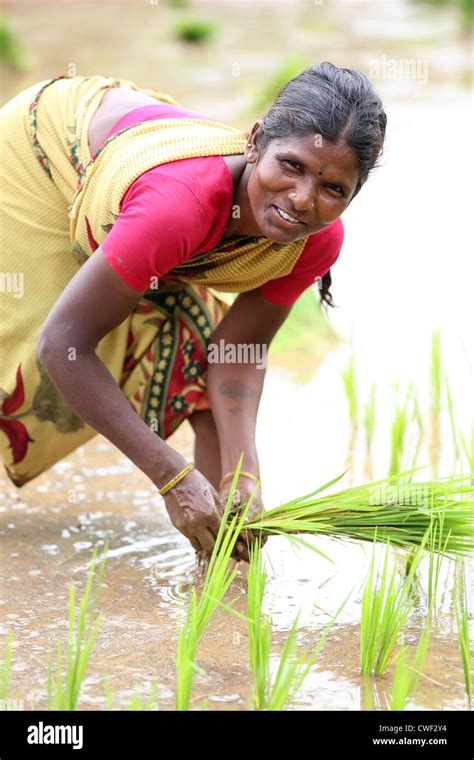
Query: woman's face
point(309, 178)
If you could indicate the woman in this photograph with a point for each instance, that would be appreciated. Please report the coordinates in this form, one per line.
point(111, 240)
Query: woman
point(168, 212)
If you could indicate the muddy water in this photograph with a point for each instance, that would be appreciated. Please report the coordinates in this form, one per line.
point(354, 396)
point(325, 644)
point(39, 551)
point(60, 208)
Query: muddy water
point(48, 530)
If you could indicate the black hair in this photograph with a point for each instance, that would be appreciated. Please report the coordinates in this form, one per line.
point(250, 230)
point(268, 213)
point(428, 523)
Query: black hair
point(339, 104)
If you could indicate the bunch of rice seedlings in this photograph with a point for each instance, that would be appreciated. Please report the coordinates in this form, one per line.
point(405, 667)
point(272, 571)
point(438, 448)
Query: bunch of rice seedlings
point(385, 510)
point(6, 668)
point(81, 641)
point(216, 583)
point(435, 401)
point(386, 603)
point(369, 425)
point(462, 622)
point(279, 692)
point(408, 672)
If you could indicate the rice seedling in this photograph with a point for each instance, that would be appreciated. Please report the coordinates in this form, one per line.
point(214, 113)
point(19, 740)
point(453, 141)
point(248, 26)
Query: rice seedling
point(279, 692)
point(462, 623)
point(408, 672)
point(468, 449)
point(397, 435)
point(259, 629)
point(293, 668)
point(386, 603)
point(398, 514)
point(81, 639)
point(416, 419)
point(369, 425)
point(6, 668)
point(350, 387)
point(136, 703)
point(216, 583)
point(439, 539)
point(449, 403)
point(435, 401)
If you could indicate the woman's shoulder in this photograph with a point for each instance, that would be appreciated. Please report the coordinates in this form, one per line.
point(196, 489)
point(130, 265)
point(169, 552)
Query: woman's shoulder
point(207, 177)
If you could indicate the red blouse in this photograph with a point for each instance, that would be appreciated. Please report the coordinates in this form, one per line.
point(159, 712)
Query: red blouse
point(189, 202)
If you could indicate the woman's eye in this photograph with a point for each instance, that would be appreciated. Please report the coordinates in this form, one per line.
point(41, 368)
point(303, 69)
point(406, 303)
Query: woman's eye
point(336, 189)
point(293, 164)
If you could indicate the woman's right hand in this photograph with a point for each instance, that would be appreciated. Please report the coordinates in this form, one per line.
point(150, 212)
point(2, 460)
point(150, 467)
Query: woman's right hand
point(195, 510)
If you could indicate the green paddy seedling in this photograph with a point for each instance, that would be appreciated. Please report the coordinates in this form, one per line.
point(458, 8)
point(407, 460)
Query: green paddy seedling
point(435, 401)
point(81, 639)
point(216, 584)
point(350, 387)
point(279, 692)
point(462, 623)
point(6, 668)
point(408, 672)
point(386, 603)
point(369, 427)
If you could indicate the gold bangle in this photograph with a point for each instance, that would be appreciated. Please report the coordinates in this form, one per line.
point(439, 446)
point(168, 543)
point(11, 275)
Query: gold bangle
point(242, 472)
point(176, 479)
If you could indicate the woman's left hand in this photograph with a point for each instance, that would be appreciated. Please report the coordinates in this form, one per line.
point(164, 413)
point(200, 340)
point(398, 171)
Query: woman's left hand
point(243, 492)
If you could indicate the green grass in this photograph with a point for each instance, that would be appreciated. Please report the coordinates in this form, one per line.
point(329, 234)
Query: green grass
point(216, 583)
point(399, 514)
point(6, 668)
point(386, 603)
point(462, 623)
point(408, 672)
point(81, 639)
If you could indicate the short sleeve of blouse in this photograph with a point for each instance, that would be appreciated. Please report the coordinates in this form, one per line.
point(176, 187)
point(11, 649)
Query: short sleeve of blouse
point(319, 254)
point(160, 225)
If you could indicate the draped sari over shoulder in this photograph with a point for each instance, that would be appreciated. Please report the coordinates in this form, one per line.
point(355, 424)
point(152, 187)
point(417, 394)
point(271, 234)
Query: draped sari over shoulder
point(58, 205)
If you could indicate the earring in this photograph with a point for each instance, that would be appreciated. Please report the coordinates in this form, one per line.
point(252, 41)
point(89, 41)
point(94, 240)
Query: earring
point(292, 195)
point(249, 155)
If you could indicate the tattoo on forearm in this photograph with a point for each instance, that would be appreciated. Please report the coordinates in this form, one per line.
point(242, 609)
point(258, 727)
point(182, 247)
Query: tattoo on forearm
point(235, 389)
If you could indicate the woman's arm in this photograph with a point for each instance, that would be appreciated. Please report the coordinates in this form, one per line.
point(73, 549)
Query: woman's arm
point(92, 305)
point(235, 389)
